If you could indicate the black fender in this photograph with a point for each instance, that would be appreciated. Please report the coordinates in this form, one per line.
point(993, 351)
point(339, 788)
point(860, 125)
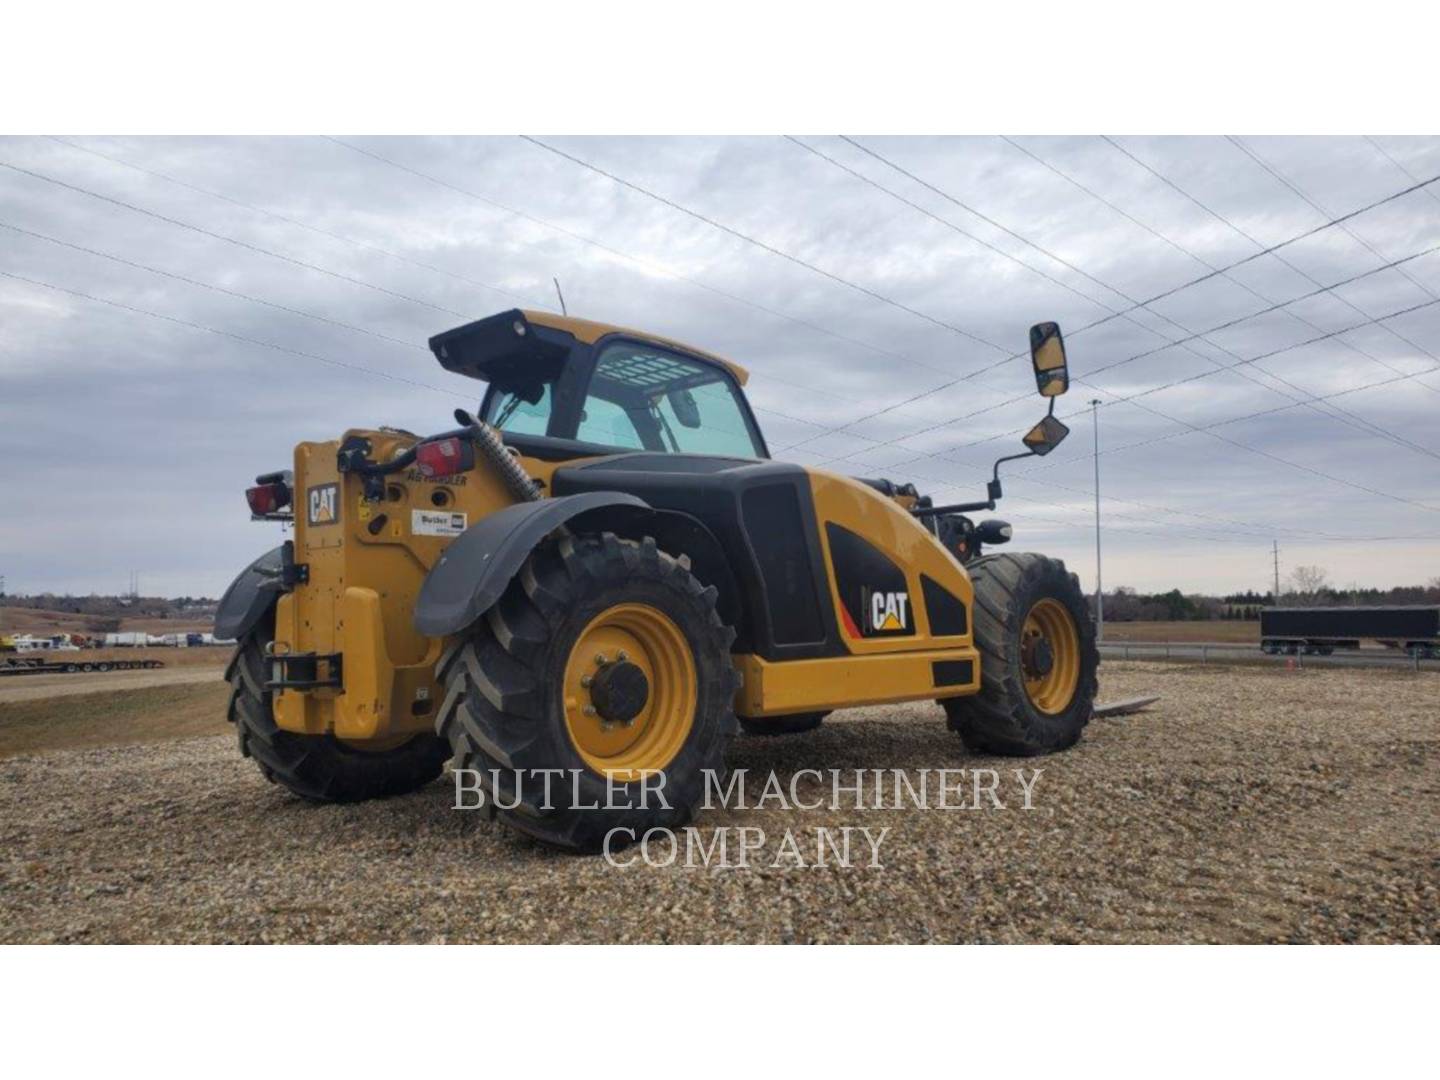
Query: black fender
point(476, 568)
point(249, 596)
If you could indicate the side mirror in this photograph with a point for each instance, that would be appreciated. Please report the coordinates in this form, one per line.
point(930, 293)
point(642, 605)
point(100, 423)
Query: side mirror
point(686, 410)
point(1047, 356)
point(1045, 436)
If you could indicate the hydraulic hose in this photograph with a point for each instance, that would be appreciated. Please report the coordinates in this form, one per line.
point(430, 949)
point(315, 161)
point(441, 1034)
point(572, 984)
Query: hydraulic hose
point(488, 442)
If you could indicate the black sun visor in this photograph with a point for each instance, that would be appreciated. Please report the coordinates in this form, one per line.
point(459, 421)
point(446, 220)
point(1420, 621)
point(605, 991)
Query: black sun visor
point(505, 349)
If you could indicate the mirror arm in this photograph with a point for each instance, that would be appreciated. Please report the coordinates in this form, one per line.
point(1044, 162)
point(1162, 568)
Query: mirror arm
point(953, 508)
point(992, 489)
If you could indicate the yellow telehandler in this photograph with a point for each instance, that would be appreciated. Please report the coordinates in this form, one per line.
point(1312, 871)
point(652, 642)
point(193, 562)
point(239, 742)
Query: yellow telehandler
point(585, 591)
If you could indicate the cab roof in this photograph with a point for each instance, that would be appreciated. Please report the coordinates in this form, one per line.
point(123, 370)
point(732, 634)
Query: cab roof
point(490, 347)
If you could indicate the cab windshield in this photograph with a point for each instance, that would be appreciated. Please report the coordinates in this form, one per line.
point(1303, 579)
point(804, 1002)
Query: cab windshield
point(643, 398)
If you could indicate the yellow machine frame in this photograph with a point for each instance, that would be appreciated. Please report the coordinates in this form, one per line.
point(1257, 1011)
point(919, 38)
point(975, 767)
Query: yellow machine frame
point(366, 564)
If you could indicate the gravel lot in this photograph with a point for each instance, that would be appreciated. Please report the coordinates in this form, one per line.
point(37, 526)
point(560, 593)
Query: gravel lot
point(1248, 806)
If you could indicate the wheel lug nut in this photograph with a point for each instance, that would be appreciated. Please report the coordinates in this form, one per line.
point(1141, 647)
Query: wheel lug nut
point(586, 680)
point(600, 659)
point(589, 710)
point(622, 656)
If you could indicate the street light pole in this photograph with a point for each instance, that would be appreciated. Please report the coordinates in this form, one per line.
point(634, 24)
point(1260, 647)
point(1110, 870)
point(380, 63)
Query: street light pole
point(1099, 588)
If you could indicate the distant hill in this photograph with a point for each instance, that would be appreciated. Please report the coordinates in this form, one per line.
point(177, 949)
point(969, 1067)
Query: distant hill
point(47, 614)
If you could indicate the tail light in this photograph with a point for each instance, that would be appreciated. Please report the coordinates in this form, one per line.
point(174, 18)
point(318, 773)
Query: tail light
point(270, 495)
point(444, 457)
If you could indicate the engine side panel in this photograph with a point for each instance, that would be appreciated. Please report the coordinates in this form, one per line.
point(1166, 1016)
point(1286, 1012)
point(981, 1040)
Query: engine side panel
point(903, 603)
point(830, 570)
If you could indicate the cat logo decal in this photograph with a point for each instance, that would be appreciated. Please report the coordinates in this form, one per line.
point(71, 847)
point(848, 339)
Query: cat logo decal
point(888, 612)
point(322, 504)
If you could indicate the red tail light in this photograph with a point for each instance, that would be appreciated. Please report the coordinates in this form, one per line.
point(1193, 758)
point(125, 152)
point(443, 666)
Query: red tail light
point(444, 457)
point(267, 498)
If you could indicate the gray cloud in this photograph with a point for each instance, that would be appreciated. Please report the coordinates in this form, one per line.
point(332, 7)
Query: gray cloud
point(129, 438)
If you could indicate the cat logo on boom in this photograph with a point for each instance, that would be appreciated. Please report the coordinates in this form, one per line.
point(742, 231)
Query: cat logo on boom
point(887, 612)
point(323, 501)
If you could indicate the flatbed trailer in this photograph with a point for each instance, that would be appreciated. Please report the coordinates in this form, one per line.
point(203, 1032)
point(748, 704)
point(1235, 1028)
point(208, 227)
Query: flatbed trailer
point(1415, 629)
point(48, 665)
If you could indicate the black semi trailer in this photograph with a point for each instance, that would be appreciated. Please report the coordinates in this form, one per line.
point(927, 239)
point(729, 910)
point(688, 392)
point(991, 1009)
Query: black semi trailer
point(1322, 630)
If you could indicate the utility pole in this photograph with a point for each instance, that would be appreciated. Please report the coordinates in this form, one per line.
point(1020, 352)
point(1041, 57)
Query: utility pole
point(1275, 550)
point(1099, 589)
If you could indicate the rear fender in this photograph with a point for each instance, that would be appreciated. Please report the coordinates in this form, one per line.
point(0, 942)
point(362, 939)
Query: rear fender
point(476, 568)
point(249, 596)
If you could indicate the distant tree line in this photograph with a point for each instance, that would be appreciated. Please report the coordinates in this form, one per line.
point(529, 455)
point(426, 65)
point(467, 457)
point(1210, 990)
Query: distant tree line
point(1307, 586)
point(158, 607)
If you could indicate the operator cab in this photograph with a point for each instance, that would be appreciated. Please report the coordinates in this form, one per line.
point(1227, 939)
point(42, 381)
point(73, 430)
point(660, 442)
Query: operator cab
point(562, 388)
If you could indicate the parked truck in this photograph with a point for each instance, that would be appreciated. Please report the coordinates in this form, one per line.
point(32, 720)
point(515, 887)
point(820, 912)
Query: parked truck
point(127, 640)
point(1319, 631)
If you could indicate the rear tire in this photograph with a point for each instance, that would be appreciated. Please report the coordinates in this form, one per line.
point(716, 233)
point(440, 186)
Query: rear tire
point(1002, 718)
point(318, 768)
point(513, 708)
point(796, 724)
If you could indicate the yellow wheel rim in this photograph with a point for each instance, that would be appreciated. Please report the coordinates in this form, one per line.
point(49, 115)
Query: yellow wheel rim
point(1050, 656)
point(647, 638)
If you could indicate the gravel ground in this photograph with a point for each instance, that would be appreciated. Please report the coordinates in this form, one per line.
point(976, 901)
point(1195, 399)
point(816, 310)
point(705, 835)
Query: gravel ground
point(1248, 806)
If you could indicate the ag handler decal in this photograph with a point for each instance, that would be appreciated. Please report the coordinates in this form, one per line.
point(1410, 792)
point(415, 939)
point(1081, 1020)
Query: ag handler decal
point(322, 504)
point(874, 596)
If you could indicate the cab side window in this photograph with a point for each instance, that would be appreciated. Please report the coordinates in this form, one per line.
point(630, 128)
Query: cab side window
point(645, 397)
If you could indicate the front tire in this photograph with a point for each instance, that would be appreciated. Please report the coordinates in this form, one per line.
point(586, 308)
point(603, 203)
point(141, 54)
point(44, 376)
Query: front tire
point(319, 768)
point(539, 684)
point(1038, 658)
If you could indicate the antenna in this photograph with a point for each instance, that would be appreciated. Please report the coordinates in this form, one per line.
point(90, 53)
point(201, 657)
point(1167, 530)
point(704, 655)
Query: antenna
point(561, 295)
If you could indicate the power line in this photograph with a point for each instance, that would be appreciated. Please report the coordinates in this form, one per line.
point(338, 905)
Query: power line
point(897, 404)
point(1284, 408)
point(1241, 232)
point(1192, 532)
point(362, 244)
point(307, 355)
point(1150, 352)
point(1028, 243)
point(1174, 290)
point(232, 335)
point(1206, 374)
point(956, 228)
point(231, 240)
point(213, 288)
point(1278, 175)
point(271, 304)
point(635, 259)
point(1240, 282)
point(762, 245)
point(252, 247)
point(274, 216)
point(1368, 428)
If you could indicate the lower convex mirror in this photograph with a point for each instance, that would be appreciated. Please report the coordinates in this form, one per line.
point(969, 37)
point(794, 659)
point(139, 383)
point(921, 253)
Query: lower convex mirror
point(1045, 436)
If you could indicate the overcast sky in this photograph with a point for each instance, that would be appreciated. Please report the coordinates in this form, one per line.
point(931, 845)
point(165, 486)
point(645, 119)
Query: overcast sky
point(853, 286)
